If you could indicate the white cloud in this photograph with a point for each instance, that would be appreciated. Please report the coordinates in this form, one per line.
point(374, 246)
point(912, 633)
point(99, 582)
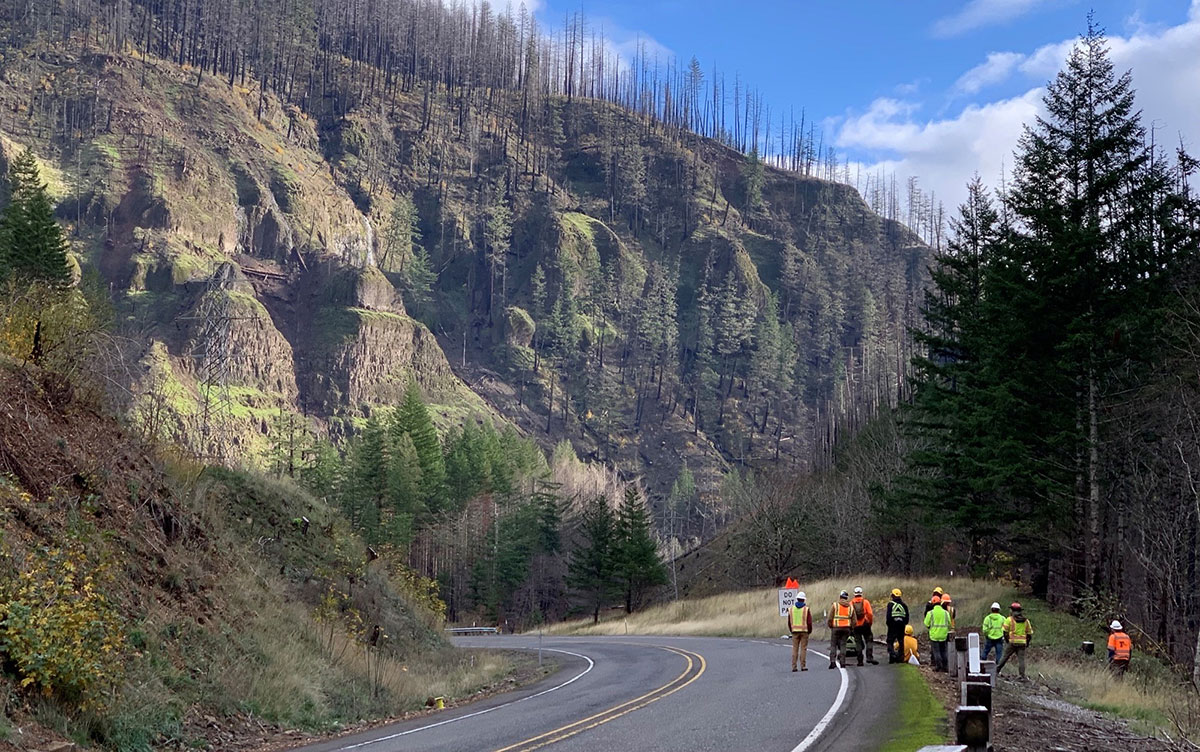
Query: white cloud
point(998, 67)
point(944, 152)
point(980, 13)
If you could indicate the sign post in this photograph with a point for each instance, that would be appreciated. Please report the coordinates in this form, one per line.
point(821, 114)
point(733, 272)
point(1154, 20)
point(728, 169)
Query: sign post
point(787, 598)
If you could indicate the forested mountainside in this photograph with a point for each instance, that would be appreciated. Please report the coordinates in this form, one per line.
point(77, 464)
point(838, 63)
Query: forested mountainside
point(299, 209)
point(1051, 433)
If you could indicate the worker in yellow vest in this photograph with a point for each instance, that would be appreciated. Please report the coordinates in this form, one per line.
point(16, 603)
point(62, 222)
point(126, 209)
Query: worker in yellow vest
point(993, 633)
point(910, 645)
point(1120, 649)
point(937, 622)
point(800, 626)
point(1018, 633)
point(841, 620)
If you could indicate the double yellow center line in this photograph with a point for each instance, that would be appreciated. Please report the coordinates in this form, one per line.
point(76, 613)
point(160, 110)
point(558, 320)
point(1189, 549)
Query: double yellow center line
point(695, 667)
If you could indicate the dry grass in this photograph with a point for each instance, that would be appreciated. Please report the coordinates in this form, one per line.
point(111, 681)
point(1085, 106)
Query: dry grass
point(1151, 696)
point(755, 613)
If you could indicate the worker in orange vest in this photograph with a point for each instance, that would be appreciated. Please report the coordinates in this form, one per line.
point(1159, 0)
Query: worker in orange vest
point(841, 620)
point(800, 625)
point(1120, 649)
point(864, 617)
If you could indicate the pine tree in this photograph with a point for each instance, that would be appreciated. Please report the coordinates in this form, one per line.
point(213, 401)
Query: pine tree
point(413, 418)
point(406, 502)
point(962, 470)
point(365, 483)
point(638, 567)
point(752, 174)
point(593, 567)
point(403, 235)
point(497, 234)
point(33, 247)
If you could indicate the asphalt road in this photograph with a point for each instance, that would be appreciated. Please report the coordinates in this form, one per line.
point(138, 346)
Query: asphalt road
point(658, 694)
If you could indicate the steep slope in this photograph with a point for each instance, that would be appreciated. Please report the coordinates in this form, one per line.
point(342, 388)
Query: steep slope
point(601, 279)
point(149, 604)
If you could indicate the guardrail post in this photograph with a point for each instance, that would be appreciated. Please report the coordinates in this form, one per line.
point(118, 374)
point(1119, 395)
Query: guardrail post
point(977, 693)
point(959, 664)
point(973, 727)
point(989, 668)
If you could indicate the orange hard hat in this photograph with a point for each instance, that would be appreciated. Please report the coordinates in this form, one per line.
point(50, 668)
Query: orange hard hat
point(1016, 606)
point(935, 599)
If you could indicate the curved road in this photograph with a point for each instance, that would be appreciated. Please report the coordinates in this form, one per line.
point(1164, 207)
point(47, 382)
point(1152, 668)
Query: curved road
point(658, 694)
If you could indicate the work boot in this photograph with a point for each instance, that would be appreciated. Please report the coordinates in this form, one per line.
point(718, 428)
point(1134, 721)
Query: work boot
point(793, 669)
point(804, 668)
point(832, 667)
point(873, 662)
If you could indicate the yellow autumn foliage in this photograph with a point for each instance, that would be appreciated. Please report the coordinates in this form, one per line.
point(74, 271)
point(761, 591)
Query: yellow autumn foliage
point(58, 629)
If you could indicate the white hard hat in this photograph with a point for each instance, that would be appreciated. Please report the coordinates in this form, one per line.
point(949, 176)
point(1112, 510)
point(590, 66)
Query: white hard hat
point(801, 596)
point(995, 606)
point(858, 591)
point(1115, 625)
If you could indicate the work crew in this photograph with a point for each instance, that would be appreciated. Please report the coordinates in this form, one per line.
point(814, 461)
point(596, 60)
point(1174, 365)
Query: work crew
point(937, 621)
point(1120, 649)
point(800, 626)
point(1018, 633)
point(948, 604)
point(864, 618)
point(937, 593)
point(993, 633)
point(841, 621)
point(897, 620)
point(910, 644)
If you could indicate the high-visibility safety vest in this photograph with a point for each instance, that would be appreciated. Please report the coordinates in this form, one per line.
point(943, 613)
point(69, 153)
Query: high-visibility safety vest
point(799, 618)
point(841, 616)
point(993, 626)
point(1018, 631)
point(897, 611)
point(938, 623)
point(1121, 645)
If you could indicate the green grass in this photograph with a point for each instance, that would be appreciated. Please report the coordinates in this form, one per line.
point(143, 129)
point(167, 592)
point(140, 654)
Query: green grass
point(920, 717)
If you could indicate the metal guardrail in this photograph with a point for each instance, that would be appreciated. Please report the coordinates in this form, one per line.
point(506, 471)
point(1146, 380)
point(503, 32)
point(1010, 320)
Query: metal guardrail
point(472, 630)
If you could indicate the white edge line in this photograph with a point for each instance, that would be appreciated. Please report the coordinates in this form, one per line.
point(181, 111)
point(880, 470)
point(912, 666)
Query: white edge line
point(822, 724)
point(572, 680)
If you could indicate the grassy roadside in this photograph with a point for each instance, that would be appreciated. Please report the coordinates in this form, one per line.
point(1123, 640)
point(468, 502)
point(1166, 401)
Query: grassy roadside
point(1152, 697)
point(920, 718)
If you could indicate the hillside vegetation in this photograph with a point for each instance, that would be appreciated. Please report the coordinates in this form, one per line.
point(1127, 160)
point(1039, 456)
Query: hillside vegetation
point(291, 241)
point(148, 602)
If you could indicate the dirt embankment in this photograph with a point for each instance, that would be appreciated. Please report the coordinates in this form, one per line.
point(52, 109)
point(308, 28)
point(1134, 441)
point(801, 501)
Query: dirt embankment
point(1032, 717)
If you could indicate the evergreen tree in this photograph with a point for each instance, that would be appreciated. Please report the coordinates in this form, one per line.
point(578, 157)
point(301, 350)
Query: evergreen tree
point(593, 567)
point(638, 567)
point(497, 235)
point(752, 174)
point(403, 235)
point(33, 247)
point(365, 488)
point(407, 505)
point(418, 279)
point(413, 418)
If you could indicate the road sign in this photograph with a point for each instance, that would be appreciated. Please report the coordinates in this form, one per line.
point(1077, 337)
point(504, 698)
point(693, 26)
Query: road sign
point(787, 597)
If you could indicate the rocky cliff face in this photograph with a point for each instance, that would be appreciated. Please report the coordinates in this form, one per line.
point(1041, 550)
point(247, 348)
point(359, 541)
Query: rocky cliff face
point(251, 247)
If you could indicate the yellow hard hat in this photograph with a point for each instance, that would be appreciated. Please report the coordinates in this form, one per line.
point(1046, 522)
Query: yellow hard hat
point(896, 592)
point(907, 629)
point(937, 590)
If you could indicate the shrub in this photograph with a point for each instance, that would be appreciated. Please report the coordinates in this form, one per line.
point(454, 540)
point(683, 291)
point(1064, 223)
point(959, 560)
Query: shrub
point(58, 629)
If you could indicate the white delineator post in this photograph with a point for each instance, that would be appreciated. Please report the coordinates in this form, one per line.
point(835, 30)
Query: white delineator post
point(973, 653)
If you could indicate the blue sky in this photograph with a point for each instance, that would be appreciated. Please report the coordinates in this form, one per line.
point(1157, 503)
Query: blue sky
point(931, 88)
